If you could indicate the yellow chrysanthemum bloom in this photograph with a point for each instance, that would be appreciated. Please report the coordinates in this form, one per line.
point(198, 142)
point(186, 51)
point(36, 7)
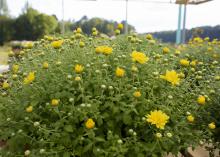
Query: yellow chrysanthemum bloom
point(190, 118)
point(134, 68)
point(201, 100)
point(117, 31)
point(79, 68)
point(55, 102)
point(193, 63)
point(28, 45)
point(149, 37)
point(137, 94)
point(30, 78)
point(104, 49)
point(45, 65)
point(29, 109)
point(120, 26)
point(139, 57)
point(81, 44)
point(15, 68)
point(90, 124)
point(79, 30)
point(77, 78)
point(120, 72)
point(158, 118)
point(5, 85)
point(57, 44)
point(166, 50)
point(212, 125)
point(107, 50)
point(172, 77)
point(184, 62)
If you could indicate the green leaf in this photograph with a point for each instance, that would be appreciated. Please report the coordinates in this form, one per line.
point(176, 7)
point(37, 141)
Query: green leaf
point(87, 148)
point(68, 128)
point(127, 119)
point(66, 154)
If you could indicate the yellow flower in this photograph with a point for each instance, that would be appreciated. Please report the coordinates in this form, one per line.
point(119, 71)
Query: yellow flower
point(212, 125)
point(120, 26)
point(120, 72)
point(45, 65)
point(117, 31)
point(134, 68)
point(28, 45)
point(78, 68)
point(30, 78)
point(158, 135)
point(77, 78)
point(201, 100)
point(139, 57)
point(193, 63)
point(29, 109)
point(79, 30)
point(5, 85)
point(172, 77)
point(184, 62)
point(90, 124)
point(15, 68)
point(166, 50)
point(81, 44)
point(190, 118)
point(158, 118)
point(55, 102)
point(107, 50)
point(98, 49)
point(177, 52)
point(57, 44)
point(137, 94)
point(104, 49)
point(149, 37)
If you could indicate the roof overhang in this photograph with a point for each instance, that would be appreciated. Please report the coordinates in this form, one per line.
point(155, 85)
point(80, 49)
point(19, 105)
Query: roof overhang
point(193, 2)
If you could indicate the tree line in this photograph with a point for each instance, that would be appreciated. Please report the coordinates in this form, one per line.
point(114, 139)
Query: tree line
point(32, 25)
point(205, 31)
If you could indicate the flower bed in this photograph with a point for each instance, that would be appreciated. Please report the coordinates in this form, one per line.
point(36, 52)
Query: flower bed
point(89, 96)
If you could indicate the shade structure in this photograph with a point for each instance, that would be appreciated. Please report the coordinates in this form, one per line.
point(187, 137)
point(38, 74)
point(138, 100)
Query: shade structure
point(193, 2)
point(180, 38)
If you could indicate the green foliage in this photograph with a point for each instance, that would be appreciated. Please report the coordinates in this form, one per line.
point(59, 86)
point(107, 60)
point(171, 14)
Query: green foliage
point(121, 128)
point(206, 31)
point(6, 29)
point(33, 25)
point(102, 25)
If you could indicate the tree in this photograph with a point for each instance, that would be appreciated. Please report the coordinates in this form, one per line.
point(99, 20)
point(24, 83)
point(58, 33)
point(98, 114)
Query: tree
point(6, 29)
point(3, 8)
point(32, 25)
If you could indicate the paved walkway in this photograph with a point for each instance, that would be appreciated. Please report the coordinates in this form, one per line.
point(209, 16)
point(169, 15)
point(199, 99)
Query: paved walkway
point(3, 68)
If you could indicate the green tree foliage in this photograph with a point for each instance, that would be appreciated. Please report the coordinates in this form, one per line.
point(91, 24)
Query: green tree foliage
point(102, 25)
point(32, 25)
point(207, 31)
point(6, 29)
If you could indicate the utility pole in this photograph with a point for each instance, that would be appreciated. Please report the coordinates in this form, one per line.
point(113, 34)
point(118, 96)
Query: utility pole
point(63, 23)
point(126, 18)
point(178, 32)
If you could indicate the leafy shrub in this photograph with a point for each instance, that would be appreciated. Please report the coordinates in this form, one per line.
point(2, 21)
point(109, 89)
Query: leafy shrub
point(122, 97)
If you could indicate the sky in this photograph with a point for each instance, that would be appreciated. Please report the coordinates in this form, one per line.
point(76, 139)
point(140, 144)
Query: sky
point(145, 15)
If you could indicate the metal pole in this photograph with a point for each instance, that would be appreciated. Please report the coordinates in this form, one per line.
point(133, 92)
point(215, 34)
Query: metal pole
point(184, 25)
point(63, 24)
point(178, 32)
point(126, 18)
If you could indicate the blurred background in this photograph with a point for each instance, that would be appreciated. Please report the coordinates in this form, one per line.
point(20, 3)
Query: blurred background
point(29, 20)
